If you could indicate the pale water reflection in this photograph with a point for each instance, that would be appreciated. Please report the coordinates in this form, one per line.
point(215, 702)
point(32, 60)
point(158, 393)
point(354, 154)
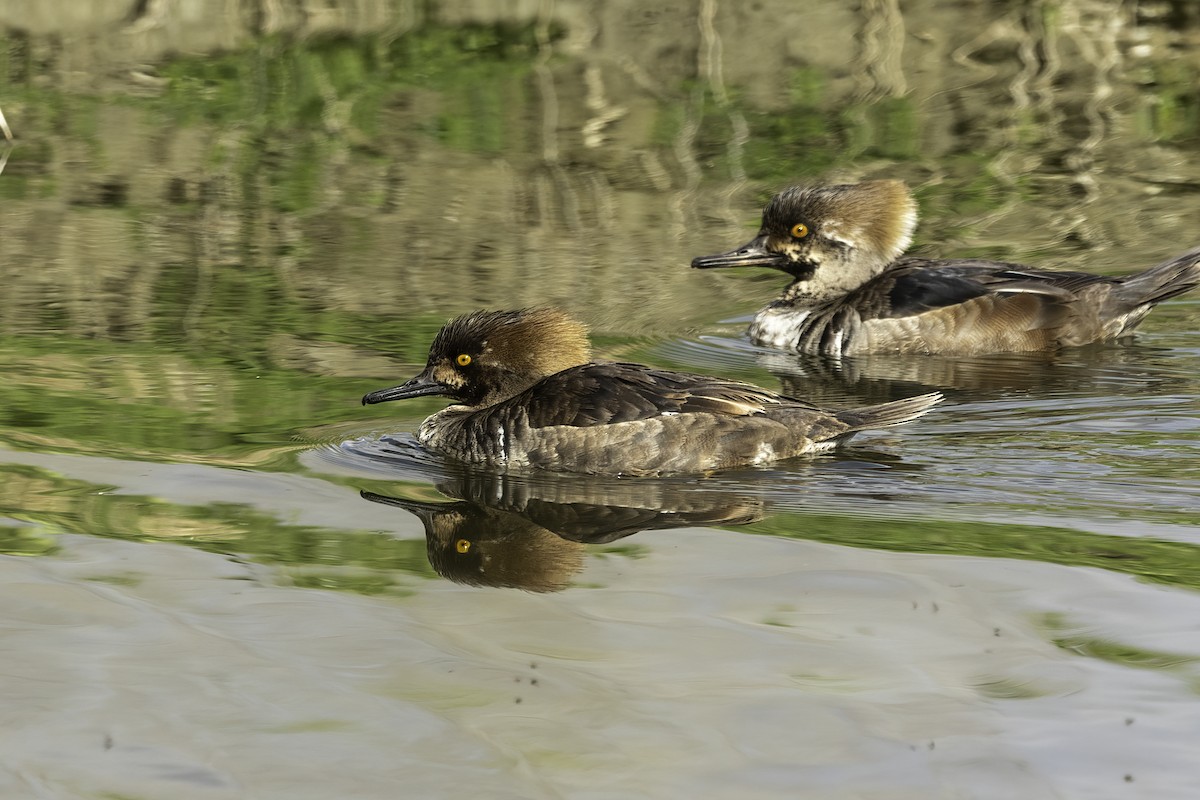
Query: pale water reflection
point(218, 230)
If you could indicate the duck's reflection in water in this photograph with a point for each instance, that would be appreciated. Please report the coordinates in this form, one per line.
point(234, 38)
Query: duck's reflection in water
point(1091, 370)
point(504, 530)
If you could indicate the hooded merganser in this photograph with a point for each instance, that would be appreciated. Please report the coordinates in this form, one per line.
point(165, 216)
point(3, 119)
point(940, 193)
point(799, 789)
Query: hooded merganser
point(854, 293)
point(527, 395)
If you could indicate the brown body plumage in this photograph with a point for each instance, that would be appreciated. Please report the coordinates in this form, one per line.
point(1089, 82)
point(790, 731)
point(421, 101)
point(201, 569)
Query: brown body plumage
point(854, 293)
point(527, 395)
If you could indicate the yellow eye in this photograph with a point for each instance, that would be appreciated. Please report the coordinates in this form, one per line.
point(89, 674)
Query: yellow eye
point(463, 360)
point(462, 545)
point(799, 230)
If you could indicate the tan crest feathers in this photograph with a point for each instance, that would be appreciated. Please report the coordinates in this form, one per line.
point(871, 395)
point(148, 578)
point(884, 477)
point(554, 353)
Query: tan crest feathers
point(888, 212)
point(534, 342)
point(541, 340)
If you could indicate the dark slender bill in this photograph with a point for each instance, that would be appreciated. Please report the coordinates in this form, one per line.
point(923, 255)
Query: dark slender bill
point(751, 254)
point(419, 386)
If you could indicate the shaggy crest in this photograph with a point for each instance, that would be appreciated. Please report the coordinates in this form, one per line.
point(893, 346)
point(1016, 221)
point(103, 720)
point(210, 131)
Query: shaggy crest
point(876, 216)
point(530, 341)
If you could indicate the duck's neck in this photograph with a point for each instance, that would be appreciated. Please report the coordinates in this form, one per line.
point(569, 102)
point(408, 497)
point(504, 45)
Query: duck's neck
point(806, 295)
point(832, 280)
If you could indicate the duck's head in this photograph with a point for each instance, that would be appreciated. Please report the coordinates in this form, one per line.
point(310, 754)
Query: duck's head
point(834, 237)
point(482, 358)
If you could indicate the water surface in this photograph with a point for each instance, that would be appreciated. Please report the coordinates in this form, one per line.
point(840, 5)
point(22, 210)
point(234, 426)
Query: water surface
point(222, 577)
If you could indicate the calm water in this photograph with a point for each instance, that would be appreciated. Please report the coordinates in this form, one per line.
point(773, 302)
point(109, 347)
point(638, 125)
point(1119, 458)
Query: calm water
point(221, 577)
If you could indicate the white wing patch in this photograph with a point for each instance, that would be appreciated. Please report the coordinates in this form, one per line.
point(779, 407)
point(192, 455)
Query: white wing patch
point(777, 328)
point(502, 442)
point(765, 454)
point(838, 336)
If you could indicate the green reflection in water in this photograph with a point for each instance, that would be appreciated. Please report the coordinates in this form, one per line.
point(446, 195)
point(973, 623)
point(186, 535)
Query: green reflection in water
point(347, 560)
point(468, 85)
point(26, 540)
point(1174, 117)
point(1067, 637)
point(286, 117)
point(298, 109)
point(367, 584)
point(312, 726)
point(632, 551)
point(369, 563)
point(1008, 689)
point(1123, 654)
point(115, 580)
point(1171, 563)
point(138, 401)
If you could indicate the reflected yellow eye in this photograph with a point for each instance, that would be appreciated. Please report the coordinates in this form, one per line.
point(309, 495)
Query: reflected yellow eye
point(463, 545)
point(463, 360)
point(799, 230)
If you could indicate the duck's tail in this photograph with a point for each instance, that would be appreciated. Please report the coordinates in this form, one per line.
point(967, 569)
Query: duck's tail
point(1170, 278)
point(885, 415)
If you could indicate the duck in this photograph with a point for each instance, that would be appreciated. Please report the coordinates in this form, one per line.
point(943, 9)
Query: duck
point(854, 292)
point(526, 393)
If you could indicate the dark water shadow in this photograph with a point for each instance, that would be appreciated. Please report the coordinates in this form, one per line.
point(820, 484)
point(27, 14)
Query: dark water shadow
point(505, 530)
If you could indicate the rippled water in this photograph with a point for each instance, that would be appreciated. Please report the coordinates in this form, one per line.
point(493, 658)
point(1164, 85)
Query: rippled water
point(222, 577)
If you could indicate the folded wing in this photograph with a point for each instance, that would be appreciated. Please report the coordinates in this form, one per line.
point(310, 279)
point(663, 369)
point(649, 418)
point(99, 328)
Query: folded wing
point(607, 393)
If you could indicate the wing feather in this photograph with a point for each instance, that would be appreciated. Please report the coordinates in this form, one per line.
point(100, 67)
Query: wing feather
point(607, 393)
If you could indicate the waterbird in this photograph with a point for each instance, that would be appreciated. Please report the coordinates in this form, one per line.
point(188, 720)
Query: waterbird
point(526, 393)
point(854, 292)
